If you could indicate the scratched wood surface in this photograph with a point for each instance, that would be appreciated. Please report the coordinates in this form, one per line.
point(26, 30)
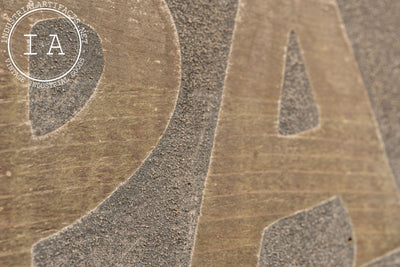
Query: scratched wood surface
point(257, 176)
point(48, 183)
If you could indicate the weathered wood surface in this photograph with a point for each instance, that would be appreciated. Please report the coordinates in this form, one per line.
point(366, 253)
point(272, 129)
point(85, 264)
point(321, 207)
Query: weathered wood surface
point(49, 182)
point(372, 29)
point(257, 176)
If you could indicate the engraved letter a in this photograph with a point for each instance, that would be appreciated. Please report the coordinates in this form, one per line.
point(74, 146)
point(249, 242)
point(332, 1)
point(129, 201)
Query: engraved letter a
point(55, 37)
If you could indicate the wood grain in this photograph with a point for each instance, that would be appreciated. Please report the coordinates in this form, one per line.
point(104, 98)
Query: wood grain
point(257, 176)
point(47, 183)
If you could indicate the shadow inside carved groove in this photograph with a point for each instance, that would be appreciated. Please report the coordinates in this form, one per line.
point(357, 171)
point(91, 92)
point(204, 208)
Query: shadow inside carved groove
point(298, 110)
point(320, 236)
point(51, 108)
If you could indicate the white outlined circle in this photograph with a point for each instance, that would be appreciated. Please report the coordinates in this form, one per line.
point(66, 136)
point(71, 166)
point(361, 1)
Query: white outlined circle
point(9, 41)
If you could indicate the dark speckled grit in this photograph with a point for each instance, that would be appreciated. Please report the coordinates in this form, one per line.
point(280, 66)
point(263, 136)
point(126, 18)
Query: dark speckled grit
point(320, 236)
point(151, 219)
point(390, 259)
point(51, 108)
point(298, 110)
point(373, 29)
